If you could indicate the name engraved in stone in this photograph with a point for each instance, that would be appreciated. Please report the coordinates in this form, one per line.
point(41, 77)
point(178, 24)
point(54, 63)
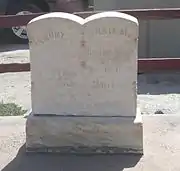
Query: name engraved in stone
point(52, 35)
point(112, 31)
point(102, 84)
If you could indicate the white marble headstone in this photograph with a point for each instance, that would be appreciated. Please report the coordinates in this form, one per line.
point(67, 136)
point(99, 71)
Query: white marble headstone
point(84, 66)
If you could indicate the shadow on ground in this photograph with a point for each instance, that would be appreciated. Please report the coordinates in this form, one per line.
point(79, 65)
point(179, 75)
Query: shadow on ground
point(56, 162)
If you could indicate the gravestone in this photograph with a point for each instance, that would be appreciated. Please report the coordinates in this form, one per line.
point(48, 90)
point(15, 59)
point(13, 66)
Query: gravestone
point(84, 75)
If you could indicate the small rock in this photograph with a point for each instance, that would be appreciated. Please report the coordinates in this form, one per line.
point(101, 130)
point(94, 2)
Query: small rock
point(159, 112)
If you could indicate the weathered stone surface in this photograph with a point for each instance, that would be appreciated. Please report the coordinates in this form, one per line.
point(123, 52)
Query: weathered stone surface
point(84, 134)
point(84, 66)
point(84, 74)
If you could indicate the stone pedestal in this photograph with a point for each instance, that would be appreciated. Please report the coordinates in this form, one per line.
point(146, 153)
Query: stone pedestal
point(84, 135)
point(84, 75)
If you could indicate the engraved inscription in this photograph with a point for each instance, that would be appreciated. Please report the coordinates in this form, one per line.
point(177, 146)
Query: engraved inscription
point(65, 74)
point(68, 84)
point(66, 79)
point(63, 78)
point(104, 52)
point(101, 84)
point(112, 31)
point(107, 55)
point(52, 35)
point(112, 70)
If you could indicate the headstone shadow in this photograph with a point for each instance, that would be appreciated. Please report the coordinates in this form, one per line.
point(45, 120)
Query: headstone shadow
point(56, 162)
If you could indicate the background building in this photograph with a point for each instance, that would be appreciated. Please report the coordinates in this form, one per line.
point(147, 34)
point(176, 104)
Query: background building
point(158, 38)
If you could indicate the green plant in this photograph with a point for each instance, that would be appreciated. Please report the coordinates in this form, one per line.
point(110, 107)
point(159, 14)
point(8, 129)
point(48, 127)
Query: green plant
point(11, 109)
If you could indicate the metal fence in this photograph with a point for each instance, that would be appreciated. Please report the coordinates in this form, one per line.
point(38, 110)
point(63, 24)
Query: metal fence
point(145, 64)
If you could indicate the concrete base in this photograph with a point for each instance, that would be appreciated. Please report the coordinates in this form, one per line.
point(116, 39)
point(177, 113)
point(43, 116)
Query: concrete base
point(84, 135)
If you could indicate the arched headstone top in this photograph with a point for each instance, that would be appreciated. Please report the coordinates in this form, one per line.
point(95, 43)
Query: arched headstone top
point(84, 66)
